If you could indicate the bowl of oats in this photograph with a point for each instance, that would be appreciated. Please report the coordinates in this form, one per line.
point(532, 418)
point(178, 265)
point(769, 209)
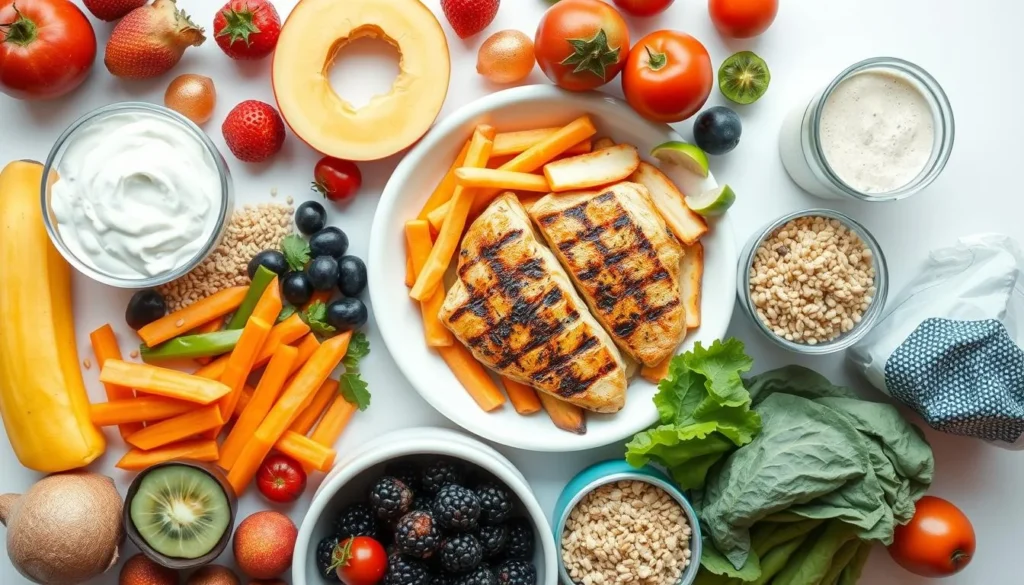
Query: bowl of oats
point(814, 282)
point(616, 524)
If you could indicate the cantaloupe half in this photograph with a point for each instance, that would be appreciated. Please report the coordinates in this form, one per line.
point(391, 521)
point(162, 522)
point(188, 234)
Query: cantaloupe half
point(310, 40)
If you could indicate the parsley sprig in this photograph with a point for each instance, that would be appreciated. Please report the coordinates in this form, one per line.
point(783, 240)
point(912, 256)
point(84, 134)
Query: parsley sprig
point(353, 388)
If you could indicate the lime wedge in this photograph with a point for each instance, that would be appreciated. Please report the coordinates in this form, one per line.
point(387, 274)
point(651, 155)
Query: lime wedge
point(688, 156)
point(712, 202)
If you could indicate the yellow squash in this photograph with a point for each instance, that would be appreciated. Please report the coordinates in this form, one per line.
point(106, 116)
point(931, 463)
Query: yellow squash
point(42, 397)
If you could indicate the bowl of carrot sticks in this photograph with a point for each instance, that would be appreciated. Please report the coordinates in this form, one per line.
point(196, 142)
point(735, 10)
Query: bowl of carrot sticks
point(517, 146)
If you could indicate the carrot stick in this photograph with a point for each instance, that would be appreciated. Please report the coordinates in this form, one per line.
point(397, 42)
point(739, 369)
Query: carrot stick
point(333, 422)
point(202, 311)
point(137, 410)
point(307, 347)
point(566, 416)
point(295, 397)
point(310, 414)
point(656, 373)
point(446, 188)
point(241, 361)
point(195, 450)
point(320, 296)
point(309, 453)
point(473, 376)
point(270, 303)
point(523, 398)
point(284, 333)
point(436, 217)
point(244, 398)
point(506, 143)
point(448, 238)
point(499, 179)
point(162, 381)
point(262, 401)
point(417, 237)
point(410, 274)
point(210, 326)
point(180, 427)
point(104, 347)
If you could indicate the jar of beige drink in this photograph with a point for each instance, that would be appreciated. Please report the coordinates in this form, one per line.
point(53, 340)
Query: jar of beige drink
point(882, 130)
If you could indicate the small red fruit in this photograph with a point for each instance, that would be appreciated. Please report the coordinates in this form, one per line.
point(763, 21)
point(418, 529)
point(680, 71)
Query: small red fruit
point(938, 541)
point(140, 570)
point(359, 561)
point(263, 544)
point(644, 7)
point(336, 179)
point(469, 17)
point(281, 479)
point(253, 131)
point(247, 29)
point(111, 10)
point(150, 40)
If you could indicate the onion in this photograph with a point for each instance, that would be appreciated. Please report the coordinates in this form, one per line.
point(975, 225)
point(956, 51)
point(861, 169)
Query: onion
point(192, 96)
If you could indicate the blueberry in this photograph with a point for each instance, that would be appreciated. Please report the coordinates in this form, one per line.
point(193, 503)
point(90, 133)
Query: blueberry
point(323, 272)
point(272, 260)
point(310, 217)
point(717, 130)
point(352, 276)
point(296, 288)
point(347, 314)
point(145, 307)
point(329, 241)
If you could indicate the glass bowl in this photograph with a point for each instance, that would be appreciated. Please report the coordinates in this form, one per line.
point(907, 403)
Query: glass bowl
point(223, 208)
point(844, 340)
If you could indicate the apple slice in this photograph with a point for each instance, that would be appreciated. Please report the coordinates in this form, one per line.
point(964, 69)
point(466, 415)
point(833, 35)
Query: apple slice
point(684, 223)
point(602, 167)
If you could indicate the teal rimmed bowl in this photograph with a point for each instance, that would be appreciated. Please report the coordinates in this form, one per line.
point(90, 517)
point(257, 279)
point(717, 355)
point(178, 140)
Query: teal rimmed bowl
point(612, 471)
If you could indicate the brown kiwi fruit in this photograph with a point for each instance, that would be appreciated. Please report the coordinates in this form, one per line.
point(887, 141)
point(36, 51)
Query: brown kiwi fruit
point(744, 77)
point(213, 575)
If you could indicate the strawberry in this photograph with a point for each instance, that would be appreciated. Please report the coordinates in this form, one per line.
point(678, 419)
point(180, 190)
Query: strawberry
point(150, 40)
point(247, 29)
point(254, 131)
point(111, 10)
point(469, 17)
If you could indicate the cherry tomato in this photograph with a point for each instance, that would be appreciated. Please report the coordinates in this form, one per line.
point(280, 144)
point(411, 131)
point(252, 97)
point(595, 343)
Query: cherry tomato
point(581, 44)
point(281, 479)
point(668, 76)
point(46, 48)
point(938, 542)
point(360, 561)
point(336, 179)
point(742, 19)
point(644, 7)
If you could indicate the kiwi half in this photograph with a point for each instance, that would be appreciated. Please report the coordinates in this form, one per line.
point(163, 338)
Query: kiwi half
point(180, 511)
point(744, 77)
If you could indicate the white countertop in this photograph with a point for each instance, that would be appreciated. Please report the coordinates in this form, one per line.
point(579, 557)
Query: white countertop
point(968, 46)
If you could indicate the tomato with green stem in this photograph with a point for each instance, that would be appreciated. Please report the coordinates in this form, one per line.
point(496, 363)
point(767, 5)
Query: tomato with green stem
point(360, 560)
point(581, 44)
point(668, 76)
point(336, 179)
point(281, 479)
point(47, 48)
point(937, 542)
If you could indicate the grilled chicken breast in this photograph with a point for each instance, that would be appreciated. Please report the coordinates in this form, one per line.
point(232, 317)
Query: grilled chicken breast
point(514, 307)
point(624, 261)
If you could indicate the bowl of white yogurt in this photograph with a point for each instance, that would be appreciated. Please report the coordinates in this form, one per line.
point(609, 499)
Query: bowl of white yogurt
point(141, 195)
point(881, 130)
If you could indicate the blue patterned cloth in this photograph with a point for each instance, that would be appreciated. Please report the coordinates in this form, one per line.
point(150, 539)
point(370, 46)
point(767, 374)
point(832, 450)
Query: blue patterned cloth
point(963, 377)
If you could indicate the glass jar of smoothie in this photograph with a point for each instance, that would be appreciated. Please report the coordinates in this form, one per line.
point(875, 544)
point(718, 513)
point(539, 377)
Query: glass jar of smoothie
point(882, 130)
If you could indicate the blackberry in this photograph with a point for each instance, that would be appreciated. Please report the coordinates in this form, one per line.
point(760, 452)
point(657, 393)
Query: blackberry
point(457, 508)
point(482, 575)
point(356, 520)
point(325, 557)
point(461, 554)
point(406, 471)
point(390, 499)
point(423, 503)
point(495, 503)
point(492, 539)
point(439, 578)
point(440, 473)
point(417, 536)
point(516, 572)
point(520, 539)
point(405, 571)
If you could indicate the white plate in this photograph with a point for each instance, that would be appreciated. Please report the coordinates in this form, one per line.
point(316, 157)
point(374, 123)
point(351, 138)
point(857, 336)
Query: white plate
point(398, 317)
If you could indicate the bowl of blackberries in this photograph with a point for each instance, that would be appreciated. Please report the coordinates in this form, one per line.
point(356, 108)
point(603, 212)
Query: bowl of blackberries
point(425, 507)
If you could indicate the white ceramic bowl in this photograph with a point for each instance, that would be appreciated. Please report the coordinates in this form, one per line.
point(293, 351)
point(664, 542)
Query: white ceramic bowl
point(351, 477)
point(398, 318)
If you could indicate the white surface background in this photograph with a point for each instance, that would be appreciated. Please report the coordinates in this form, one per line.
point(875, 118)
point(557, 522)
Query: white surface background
point(968, 46)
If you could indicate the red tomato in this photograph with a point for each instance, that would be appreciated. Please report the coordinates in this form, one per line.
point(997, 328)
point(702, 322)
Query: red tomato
point(336, 179)
point(581, 44)
point(281, 479)
point(360, 561)
point(668, 76)
point(644, 7)
point(742, 19)
point(938, 542)
point(46, 48)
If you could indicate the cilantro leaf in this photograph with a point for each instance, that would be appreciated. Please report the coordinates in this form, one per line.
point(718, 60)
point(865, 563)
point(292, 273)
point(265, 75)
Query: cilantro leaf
point(316, 317)
point(296, 251)
point(353, 388)
point(286, 312)
point(358, 348)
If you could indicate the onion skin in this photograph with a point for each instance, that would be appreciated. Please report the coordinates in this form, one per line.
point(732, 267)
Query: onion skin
point(506, 57)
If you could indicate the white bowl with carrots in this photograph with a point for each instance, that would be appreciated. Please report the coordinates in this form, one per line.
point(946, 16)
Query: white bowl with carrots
point(544, 124)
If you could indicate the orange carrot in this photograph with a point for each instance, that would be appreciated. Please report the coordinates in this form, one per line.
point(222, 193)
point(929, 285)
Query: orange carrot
point(210, 326)
point(284, 333)
point(137, 410)
point(310, 414)
point(309, 453)
point(417, 237)
point(195, 450)
point(448, 238)
point(320, 296)
point(506, 143)
point(104, 347)
point(202, 311)
point(410, 274)
point(656, 373)
point(162, 381)
point(473, 376)
point(270, 303)
point(334, 421)
point(446, 188)
point(499, 179)
point(244, 398)
point(180, 427)
point(523, 398)
point(263, 398)
point(307, 347)
point(295, 397)
point(566, 416)
point(241, 361)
